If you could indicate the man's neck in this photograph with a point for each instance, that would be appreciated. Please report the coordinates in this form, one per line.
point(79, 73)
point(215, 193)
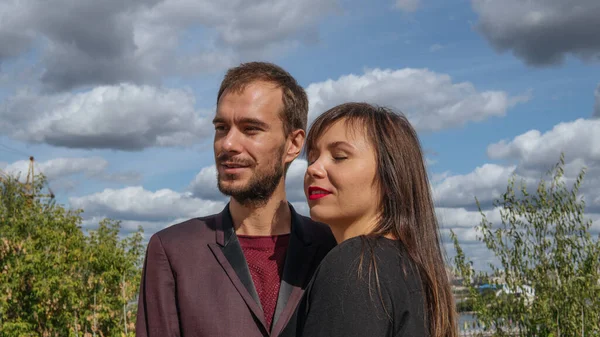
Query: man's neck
point(272, 218)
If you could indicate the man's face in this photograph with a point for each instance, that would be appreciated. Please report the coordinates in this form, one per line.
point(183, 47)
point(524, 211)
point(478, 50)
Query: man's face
point(250, 144)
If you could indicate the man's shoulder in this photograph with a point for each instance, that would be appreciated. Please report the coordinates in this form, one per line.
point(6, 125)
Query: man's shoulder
point(194, 228)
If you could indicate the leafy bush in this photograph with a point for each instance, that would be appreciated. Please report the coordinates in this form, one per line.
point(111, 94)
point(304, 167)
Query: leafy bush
point(549, 260)
point(56, 280)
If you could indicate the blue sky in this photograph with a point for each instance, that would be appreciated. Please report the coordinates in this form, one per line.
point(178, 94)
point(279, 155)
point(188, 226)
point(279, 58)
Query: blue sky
point(114, 99)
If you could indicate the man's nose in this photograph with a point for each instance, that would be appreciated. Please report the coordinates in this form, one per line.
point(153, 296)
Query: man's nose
point(232, 141)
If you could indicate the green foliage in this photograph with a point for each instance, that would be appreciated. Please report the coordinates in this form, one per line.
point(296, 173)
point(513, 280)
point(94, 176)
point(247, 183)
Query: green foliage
point(57, 281)
point(543, 242)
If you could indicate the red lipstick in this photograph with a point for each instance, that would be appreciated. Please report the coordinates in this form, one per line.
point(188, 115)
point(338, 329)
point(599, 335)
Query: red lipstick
point(315, 192)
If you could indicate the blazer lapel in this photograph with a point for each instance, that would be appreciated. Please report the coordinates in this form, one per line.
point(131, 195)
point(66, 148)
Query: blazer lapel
point(228, 252)
point(298, 263)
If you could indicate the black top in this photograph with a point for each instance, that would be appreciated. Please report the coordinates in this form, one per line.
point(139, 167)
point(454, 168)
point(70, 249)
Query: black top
point(340, 302)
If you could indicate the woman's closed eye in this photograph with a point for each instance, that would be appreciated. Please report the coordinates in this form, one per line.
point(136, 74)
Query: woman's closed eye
point(339, 155)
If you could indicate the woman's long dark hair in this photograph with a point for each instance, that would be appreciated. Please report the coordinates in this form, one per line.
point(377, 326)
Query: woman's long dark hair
point(407, 211)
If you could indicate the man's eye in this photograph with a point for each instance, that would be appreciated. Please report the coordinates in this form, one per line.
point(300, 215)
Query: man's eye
point(219, 127)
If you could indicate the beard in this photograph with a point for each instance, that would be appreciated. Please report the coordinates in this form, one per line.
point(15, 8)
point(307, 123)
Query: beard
point(259, 188)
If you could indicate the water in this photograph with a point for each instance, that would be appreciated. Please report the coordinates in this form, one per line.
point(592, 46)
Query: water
point(467, 318)
point(468, 326)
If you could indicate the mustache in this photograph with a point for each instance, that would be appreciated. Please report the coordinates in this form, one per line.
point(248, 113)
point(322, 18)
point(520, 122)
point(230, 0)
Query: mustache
point(226, 157)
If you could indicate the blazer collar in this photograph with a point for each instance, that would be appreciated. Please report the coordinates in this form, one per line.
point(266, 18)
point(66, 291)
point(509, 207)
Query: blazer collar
point(225, 229)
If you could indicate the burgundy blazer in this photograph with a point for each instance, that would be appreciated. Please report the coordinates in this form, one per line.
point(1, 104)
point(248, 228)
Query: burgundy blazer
point(196, 282)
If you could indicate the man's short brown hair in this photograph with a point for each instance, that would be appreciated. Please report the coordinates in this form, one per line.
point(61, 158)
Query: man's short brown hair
point(295, 101)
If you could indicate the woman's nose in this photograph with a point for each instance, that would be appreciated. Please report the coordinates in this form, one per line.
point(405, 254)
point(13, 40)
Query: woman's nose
point(316, 170)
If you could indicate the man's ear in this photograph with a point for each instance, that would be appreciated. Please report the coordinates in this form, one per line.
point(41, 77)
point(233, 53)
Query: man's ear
point(295, 142)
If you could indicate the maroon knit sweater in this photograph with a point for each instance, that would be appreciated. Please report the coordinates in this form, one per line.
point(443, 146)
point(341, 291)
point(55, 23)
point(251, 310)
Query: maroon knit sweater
point(265, 256)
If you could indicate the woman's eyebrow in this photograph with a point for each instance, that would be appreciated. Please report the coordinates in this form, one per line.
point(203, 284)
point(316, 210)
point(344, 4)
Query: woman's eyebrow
point(341, 144)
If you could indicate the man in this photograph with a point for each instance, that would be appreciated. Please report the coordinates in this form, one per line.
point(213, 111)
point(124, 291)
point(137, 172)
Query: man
point(241, 272)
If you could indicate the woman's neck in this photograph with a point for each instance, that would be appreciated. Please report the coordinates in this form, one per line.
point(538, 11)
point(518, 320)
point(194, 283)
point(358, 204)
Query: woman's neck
point(344, 230)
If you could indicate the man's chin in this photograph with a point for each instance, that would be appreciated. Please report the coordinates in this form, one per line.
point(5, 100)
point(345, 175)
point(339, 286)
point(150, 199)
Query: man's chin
point(231, 187)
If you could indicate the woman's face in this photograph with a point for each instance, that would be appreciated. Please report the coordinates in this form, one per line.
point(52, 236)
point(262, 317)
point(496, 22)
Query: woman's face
point(340, 182)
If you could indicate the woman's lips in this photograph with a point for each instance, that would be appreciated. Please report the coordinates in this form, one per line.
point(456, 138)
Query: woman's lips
point(315, 192)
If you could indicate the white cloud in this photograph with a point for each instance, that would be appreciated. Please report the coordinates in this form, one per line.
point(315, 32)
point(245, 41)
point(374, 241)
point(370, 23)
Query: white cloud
point(204, 184)
point(63, 174)
point(407, 5)
point(82, 43)
point(60, 167)
point(242, 24)
point(294, 181)
point(486, 182)
point(465, 235)
point(57, 168)
point(453, 218)
point(138, 204)
point(537, 152)
point(577, 139)
point(541, 32)
point(124, 117)
point(233, 31)
point(88, 43)
point(430, 100)
point(130, 226)
point(532, 153)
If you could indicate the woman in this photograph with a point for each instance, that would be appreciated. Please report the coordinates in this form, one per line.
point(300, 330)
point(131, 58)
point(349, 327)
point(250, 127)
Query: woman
point(366, 179)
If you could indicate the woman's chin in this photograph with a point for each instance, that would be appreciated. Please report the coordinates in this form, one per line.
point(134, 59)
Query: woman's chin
point(319, 216)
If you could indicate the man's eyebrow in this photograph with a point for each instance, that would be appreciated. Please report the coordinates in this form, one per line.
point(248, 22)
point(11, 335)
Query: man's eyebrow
point(254, 121)
point(246, 120)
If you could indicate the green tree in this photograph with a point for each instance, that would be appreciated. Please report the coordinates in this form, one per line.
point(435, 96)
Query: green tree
point(544, 242)
point(54, 279)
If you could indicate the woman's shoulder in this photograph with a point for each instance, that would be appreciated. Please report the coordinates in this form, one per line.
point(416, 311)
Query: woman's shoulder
point(357, 256)
point(379, 246)
point(344, 249)
point(346, 254)
point(349, 254)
